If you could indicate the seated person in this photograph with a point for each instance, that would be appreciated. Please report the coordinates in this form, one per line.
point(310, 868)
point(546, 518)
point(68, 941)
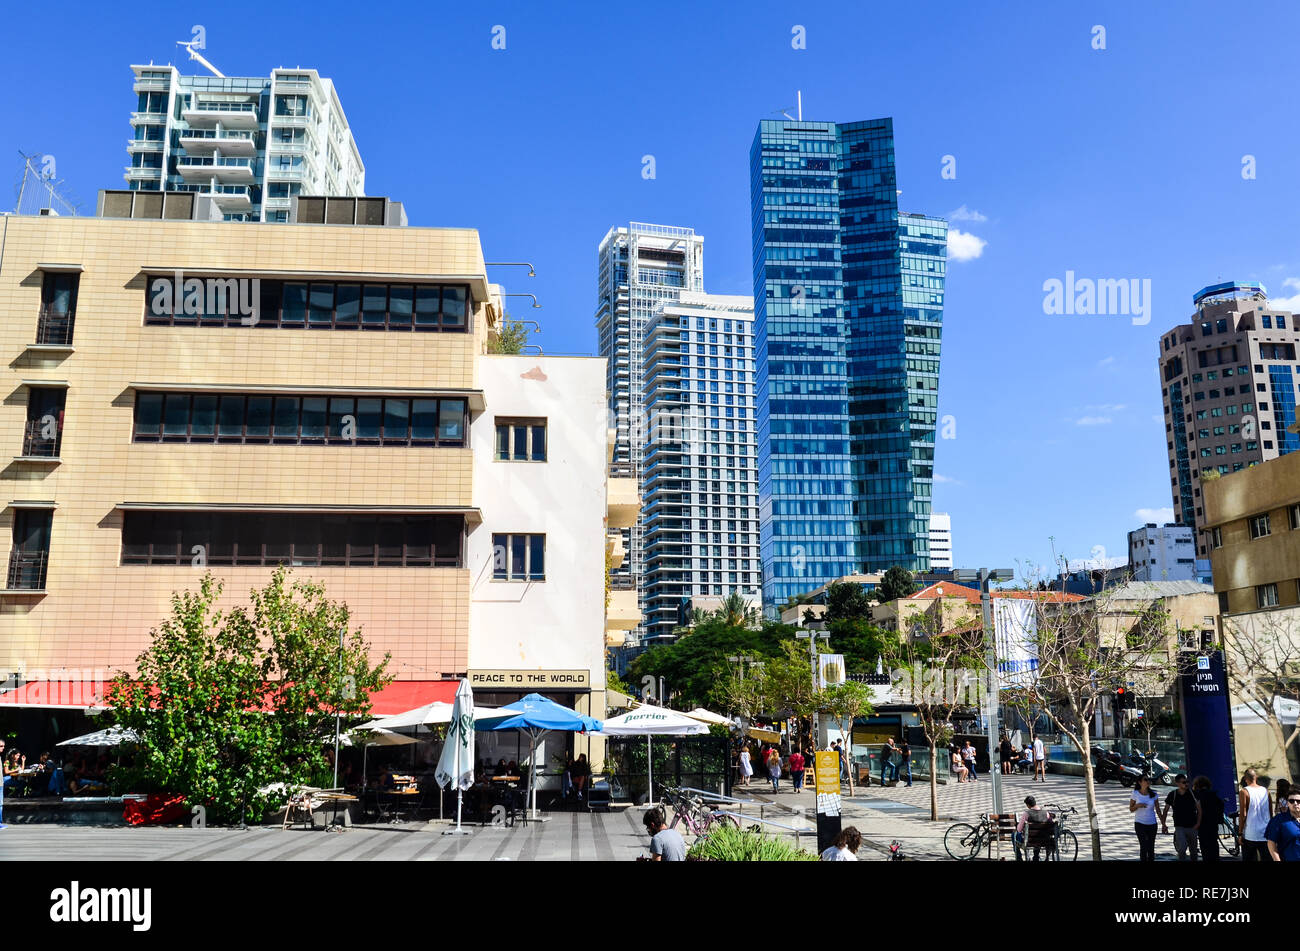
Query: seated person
point(14, 765)
point(1032, 814)
point(80, 785)
point(386, 780)
point(512, 768)
point(1026, 760)
point(500, 768)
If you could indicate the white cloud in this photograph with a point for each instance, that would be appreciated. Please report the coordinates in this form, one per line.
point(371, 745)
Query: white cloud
point(1292, 282)
point(1105, 407)
point(1093, 421)
point(966, 214)
point(947, 479)
point(1287, 303)
point(1087, 564)
point(1160, 516)
point(963, 246)
point(1106, 362)
point(1157, 418)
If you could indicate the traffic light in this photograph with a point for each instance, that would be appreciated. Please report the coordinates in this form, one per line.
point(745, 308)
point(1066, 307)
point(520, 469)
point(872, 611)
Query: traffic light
point(1124, 699)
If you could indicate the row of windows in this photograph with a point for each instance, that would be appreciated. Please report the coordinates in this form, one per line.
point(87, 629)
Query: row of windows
point(217, 302)
point(1266, 594)
point(292, 420)
point(209, 538)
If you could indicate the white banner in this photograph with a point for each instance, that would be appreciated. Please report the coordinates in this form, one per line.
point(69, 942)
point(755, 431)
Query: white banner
point(830, 670)
point(1015, 623)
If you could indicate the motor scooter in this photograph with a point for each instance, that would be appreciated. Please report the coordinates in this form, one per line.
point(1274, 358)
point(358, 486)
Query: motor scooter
point(1154, 767)
point(1110, 765)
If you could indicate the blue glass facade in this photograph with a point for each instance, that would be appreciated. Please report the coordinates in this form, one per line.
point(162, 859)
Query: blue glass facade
point(848, 304)
point(1284, 403)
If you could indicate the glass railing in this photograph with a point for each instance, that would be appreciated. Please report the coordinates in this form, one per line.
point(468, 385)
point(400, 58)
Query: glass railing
point(214, 134)
point(223, 107)
point(868, 758)
point(208, 160)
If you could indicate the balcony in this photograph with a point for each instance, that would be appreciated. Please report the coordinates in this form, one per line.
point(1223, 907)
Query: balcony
point(232, 115)
point(614, 548)
point(54, 328)
point(200, 168)
point(229, 142)
point(615, 638)
point(144, 145)
point(623, 498)
point(27, 570)
point(624, 614)
point(148, 118)
point(136, 174)
point(37, 445)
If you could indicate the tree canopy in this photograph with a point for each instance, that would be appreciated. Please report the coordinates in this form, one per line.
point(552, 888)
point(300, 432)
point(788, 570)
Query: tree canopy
point(897, 583)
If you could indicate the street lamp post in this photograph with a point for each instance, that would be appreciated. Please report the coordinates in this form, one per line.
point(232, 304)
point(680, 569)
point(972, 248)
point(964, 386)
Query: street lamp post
point(984, 576)
point(812, 636)
point(337, 713)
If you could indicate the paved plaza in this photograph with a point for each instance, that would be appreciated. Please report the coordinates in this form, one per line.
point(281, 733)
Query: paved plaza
point(882, 814)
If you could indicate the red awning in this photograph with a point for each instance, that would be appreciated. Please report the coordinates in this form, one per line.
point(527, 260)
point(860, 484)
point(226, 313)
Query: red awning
point(397, 697)
point(403, 695)
point(56, 694)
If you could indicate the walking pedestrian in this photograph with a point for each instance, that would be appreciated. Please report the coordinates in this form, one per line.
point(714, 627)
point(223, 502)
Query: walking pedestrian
point(838, 747)
point(774, 767)
point(1284, 789)
point(906, 755)
point(1187, 818)
point(1004, 755)
point(1211, 816)
point(1252, 818)
point(1040, 759)
point(1283, 832)
point(1143, 805)
point(746, 767)
point(796, 770)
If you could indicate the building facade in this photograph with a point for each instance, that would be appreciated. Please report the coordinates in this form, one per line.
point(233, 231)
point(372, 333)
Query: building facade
point(639, 268)
point(700, 514)
point(248, 144)
point(940, 541)
point(1229, 379)
point(208, 404)
point(1165, 553)
point(848, 307)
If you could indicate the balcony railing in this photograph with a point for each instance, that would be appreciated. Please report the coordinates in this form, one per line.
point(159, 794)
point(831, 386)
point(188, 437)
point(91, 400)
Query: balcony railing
point(54, 327)
point(223, 161)
point(214, 134)
point(27, 570)
point(618, 582)
point(622, 470)
point(223, 107)
point(37, 444)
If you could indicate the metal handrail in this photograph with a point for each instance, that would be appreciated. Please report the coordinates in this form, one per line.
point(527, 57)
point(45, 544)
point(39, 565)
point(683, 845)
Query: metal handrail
point(36, 443)
point(797, 830)
point(27, 570)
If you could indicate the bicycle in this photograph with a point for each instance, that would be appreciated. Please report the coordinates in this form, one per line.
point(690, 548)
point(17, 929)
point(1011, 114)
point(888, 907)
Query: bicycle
point(697, 817)
point(1067, 844)
point(964, 841)
point(1228, 840)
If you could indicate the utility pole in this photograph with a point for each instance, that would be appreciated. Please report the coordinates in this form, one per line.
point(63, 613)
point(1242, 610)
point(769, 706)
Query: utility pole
point(991, 696)
point(812, 636)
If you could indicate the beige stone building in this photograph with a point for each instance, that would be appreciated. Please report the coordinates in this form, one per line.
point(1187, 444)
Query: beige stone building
point(1253, 535)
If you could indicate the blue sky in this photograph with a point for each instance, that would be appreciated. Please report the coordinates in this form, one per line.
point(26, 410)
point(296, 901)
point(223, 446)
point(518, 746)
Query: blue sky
point(1123, 162)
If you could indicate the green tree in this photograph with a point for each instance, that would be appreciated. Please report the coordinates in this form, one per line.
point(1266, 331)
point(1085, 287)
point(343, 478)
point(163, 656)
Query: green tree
point(510, 337)
point(861, 643)
point(226, 703)
point(845, 703)
point(897, 583)
point(846, 601)
point(735, 611)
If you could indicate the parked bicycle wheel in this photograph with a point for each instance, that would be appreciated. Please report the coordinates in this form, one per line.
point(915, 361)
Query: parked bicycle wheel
point(1067, 846)
point(962, 841)
point(1228, 838)
point(720, 821)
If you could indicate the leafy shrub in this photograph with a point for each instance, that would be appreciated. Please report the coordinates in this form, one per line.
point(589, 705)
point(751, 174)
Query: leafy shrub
point(727, 844)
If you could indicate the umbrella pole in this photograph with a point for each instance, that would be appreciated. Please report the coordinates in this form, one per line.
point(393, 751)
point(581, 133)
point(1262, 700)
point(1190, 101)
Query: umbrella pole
point(459, 792)
point(650, 770)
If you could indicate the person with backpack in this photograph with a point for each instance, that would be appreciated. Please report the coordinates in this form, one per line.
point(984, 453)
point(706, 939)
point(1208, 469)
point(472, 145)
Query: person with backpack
point(1211, 816)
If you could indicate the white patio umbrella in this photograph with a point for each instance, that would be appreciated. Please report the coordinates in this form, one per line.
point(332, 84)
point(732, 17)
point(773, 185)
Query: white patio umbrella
point(651, 721)
point(456, 765)
point(708, 716)
point(113, 736)
point(431, 714)
point(375, 738)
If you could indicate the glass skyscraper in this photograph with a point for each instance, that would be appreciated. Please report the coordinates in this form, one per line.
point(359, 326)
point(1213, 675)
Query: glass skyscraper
point(848, 308)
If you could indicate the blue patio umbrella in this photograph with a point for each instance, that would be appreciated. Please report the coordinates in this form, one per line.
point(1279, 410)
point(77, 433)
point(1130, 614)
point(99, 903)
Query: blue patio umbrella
point(537, 716)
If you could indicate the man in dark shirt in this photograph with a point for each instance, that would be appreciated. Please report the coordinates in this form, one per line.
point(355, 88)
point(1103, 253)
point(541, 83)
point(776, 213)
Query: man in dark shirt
point(1187, 818)
point(887, 761)
point(906, 754)
point(1283, 833)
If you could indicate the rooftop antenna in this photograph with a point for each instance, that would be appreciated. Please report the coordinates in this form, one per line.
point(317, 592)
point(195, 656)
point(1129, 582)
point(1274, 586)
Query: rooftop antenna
point(799, 95)
point(189, 48)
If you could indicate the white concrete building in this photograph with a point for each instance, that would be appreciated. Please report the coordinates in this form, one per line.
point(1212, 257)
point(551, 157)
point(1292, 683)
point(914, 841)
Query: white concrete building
point(940, 541)
point(249, 144)
point(1163, 553)
point(537, 606)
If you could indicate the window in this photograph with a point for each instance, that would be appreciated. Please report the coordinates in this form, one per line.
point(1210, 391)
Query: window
point(518, 557)
point(1266, 595)
point(1259, 526)
point(521, 440)
point(1216, 538)
point(256, 538)
point(58, 308)
point(292, 420)
point(43, 433)
point(320, 305)
point(30, 554)
point(1294, 513)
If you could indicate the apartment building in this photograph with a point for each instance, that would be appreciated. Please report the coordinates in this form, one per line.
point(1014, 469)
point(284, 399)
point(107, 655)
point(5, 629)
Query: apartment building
point(700, 519)
point(1165, 553)
point(940, 541)
point(247, 145)
point(1230, 379)
point(230, 396)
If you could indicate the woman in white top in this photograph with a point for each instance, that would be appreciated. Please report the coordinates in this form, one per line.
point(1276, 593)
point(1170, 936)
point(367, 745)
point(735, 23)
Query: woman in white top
point(845, 847)
point(1253, 816)
point(1143, 806)
point(746, 768)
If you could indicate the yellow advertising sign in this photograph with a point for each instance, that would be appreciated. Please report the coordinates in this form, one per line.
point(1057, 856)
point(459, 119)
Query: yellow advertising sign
point(827, 773)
